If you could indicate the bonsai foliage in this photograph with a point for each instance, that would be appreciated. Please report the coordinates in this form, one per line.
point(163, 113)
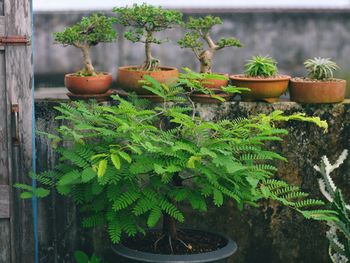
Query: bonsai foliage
point(199, 35)
point(339, 232)
point(130, 165)
point(261, 66)
point(146, 20)
point(88, 32)
point(320, 68)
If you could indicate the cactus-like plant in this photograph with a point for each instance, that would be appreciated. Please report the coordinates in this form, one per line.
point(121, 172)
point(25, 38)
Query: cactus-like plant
point(199, 35)
point(339, 231)
point(145, 20)
point(320, 68)
point(88, 32)
point(261, 66)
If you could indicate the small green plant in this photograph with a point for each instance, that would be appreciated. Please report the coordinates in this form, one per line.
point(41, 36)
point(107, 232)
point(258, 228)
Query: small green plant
point(82, 257)
point(88, 32)
point(146, 20)
point(338, 234)
point(320, 68)
point(261, 66)
point(199, 35)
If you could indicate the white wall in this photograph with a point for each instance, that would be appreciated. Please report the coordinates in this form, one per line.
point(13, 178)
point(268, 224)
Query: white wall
point(56, 5)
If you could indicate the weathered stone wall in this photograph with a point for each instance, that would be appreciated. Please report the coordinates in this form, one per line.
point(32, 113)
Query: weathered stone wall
point(269, 234)
point(289, 36)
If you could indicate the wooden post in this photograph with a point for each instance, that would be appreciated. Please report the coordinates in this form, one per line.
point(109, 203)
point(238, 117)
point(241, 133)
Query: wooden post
point(16, 231)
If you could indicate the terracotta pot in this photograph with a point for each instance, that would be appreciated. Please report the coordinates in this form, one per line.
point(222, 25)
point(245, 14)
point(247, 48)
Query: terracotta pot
point(206, 98)
point(216, 84)
point(129, 78)
point(98, 97)
point(263, 89)
point(88, 85)
point(317, 91)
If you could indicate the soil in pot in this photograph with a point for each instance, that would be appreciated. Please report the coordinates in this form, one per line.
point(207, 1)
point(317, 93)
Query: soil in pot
point(199, 242)
point(83, 85)
point(129, 78)
point(261, 89)
point(304, 90)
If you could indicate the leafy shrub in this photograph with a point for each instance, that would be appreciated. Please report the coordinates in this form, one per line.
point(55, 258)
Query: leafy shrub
point(88, 32)
point(81, 257)
point(261, 66)
point(129, 165)
point(320, 68)
point(146, 20)
point(199, 35)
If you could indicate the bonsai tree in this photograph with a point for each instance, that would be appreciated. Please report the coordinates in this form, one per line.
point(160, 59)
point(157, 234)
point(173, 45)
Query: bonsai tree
point(320, 68)
point(88, 32)
point(261, 66)
point(145, 21)
point(199, 35)
point(130, 165)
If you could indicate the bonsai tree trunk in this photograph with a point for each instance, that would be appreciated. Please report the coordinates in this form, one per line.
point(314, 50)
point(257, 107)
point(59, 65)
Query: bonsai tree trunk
point(169, 227)
point(88, 68)
point(205, 58)
point(151, 63)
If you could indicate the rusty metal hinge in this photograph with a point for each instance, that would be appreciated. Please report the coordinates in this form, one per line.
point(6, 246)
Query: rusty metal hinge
point(14, 40)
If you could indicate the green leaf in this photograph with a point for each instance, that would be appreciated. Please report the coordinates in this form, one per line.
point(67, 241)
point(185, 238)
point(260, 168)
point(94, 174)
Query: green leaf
point(26, 195)
point(81, 257)
point(116, 161)
point(218, 197)
point(125, 156)
point(191, 163)
point(102, 167)
point(154, 217)
point(41, 192)
point(87, 175)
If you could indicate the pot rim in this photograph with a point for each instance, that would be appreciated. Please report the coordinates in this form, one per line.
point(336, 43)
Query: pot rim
point(229, 249)
point(104, 75)
point(242, 77)
point(162, 68)
point(294, 80)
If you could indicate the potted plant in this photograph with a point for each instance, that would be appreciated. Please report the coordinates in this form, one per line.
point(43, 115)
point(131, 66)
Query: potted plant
point(320, 86)
point(85, 34)
point(262, 79)
point(199, 35)
point(145, 20)
point(131, 166)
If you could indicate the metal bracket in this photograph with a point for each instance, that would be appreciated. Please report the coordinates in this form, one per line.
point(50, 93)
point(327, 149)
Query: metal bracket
point(15, 112)
point(14, 41)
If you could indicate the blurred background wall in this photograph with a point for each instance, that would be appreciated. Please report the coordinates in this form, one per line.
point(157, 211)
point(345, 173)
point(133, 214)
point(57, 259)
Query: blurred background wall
point(288, 35)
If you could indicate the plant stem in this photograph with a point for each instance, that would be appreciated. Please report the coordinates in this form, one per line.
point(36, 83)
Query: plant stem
point(151, 63)
point(88, 68)
point(205, 59)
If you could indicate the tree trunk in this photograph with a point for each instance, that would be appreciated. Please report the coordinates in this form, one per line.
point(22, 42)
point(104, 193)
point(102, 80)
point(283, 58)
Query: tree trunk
point(206, 58)
point(150, 63)
point(88, 68)
point(169, 227)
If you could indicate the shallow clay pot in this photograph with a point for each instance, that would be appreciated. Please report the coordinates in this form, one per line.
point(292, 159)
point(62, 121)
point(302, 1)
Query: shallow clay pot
point(261, 89)
point(206, 98)
point(88, 85)
point(216, 84)
point(317, 91)
point(218, 256)
point(129, 77)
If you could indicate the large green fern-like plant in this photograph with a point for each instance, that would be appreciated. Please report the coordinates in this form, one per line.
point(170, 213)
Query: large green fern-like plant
point(130, 166)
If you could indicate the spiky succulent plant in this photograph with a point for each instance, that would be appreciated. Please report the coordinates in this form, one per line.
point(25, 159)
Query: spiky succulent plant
point(320, 68)
point(261, 66)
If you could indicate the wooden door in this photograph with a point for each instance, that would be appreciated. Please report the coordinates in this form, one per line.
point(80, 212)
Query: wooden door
point(16, 223)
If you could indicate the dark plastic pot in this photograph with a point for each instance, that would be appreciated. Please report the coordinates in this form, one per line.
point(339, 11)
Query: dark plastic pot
point(218, 256)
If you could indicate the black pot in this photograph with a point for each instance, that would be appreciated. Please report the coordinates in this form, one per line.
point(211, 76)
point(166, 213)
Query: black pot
point(217, 256)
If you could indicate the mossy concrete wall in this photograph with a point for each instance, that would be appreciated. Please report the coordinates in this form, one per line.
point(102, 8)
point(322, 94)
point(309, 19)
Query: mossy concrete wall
point(289, 36)
point(268, 234)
